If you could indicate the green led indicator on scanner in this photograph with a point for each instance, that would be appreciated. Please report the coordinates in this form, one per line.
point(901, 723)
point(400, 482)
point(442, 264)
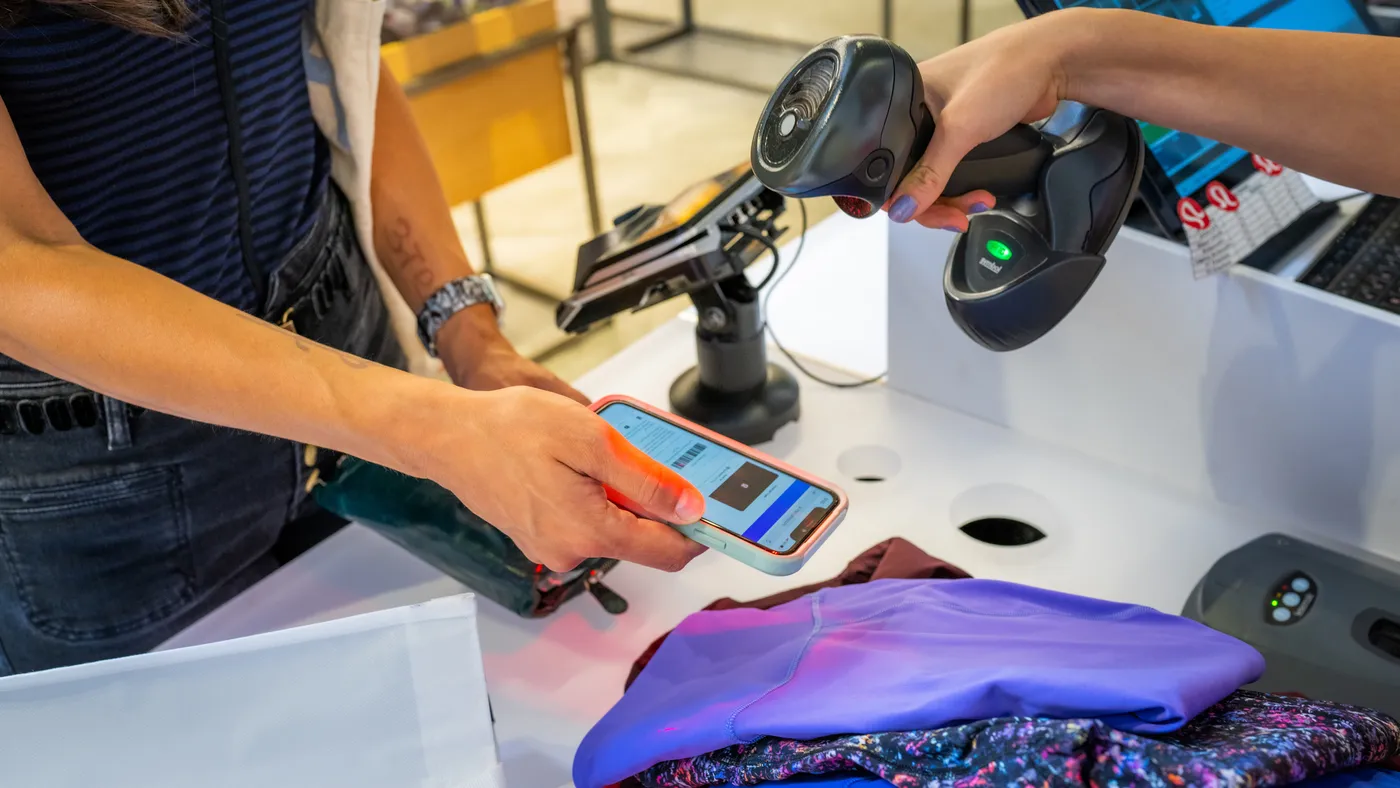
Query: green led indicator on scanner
point(999, 250)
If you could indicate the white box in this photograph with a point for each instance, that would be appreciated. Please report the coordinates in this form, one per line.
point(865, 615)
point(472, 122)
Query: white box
point(392, 698)
point(1247, 389)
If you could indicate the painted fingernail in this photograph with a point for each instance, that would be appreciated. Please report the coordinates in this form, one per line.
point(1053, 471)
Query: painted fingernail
point(950, 228)
point(978, 207)
point(903, 209)
point(690, 507)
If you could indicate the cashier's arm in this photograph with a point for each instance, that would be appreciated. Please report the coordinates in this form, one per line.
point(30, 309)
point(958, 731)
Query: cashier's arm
point(1322, 103)
point(532, 463)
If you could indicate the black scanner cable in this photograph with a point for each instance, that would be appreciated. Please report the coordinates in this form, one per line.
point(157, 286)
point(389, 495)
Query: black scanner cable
point(767, 243)
point(776, 278)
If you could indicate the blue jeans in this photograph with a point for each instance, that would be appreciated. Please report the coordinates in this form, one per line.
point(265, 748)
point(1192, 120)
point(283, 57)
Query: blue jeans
point(120, 527)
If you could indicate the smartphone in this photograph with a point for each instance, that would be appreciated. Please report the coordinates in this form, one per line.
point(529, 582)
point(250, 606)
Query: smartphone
point(757, 509)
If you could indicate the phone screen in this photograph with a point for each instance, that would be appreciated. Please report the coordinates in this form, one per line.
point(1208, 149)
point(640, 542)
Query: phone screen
point(745, 497)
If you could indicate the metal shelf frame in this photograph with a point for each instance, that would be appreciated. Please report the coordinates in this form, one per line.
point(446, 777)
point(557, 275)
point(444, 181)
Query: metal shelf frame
point(606, 49)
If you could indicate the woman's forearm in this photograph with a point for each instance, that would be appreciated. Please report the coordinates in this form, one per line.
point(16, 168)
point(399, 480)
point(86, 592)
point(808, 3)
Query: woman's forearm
point(1322, 103)
point(414, 234)
point(122, 330)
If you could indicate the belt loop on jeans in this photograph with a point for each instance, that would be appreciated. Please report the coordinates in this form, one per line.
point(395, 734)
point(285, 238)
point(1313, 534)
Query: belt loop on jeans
point(319, 296)
point(118, 423)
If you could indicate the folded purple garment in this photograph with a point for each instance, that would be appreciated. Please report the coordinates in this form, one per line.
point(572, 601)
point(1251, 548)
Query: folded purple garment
point(1356, 778)
point(898, 655)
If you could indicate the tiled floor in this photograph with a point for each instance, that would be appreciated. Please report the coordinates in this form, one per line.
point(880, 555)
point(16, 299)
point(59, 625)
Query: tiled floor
point(655, 133)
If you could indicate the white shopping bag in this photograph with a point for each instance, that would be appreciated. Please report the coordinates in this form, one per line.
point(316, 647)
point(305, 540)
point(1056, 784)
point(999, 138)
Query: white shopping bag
point(392, 698)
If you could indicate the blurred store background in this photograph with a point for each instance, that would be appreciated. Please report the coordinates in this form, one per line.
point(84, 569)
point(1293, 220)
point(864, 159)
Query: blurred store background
point(671, 90)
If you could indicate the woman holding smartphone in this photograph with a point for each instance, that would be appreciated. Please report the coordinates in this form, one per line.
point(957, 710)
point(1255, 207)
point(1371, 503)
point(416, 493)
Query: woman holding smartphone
point(175, 255)
point(1321, 103)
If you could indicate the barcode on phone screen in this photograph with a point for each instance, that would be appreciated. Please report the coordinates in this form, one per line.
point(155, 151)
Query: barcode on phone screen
point(688, 457)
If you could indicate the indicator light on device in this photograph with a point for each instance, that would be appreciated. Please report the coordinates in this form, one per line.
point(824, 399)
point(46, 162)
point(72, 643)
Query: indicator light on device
point(999, 250)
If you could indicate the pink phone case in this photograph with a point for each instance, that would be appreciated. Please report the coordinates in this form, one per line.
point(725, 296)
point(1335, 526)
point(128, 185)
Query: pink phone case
point(712, 536)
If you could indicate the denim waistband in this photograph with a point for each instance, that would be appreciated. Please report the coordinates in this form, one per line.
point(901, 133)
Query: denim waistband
point(301, 291)
point(314, 269)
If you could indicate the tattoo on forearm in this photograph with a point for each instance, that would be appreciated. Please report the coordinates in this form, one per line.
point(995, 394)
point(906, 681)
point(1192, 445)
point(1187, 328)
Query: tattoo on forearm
point(307, 346)
point(406, 255)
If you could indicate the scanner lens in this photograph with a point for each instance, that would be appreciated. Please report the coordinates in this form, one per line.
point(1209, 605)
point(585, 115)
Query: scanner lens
point(998, 250)
point(855, 206)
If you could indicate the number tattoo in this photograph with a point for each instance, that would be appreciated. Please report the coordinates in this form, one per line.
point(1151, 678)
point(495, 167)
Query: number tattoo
point(407, 255)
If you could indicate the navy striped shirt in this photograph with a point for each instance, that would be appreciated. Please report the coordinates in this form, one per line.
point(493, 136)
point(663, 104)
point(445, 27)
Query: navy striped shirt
point(130, 136)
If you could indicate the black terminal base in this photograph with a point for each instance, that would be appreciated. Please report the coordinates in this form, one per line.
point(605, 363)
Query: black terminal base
point(733, 390)
point(751, 418)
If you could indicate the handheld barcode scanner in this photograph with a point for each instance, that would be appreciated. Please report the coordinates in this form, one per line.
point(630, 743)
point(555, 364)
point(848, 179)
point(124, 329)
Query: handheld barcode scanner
point(849, 122)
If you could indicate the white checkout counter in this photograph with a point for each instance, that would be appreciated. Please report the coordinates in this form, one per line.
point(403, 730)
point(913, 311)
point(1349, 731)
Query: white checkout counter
point(1112, 530)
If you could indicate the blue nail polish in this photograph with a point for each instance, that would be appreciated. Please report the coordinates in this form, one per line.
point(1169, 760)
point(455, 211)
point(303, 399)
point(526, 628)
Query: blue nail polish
point(903, 209)
point(978, 207)
point(950, 228)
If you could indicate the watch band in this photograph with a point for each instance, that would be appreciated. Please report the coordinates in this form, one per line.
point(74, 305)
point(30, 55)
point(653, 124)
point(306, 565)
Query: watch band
point(452, 298)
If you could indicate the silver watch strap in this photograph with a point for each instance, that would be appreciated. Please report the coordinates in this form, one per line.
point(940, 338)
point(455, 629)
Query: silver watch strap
point(452, 298)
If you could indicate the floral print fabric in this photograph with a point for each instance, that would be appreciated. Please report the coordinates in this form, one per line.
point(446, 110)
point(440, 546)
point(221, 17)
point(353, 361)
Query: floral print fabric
point(1248, 739)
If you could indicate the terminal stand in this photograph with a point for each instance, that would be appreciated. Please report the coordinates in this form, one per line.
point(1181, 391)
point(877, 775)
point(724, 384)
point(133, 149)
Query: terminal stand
point(733, 389)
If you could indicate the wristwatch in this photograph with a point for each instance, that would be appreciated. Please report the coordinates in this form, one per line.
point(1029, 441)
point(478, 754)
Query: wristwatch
point(452, 298)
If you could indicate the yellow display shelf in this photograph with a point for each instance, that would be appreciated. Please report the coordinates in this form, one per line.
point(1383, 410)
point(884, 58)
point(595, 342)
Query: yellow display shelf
point(488, 119)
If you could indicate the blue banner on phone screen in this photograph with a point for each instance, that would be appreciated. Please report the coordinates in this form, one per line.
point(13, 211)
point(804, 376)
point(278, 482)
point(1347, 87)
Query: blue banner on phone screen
point(744, 497)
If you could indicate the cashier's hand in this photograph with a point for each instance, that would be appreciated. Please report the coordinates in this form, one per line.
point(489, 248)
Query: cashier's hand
point(977, 92)
point(543, 469)
point(478, 357)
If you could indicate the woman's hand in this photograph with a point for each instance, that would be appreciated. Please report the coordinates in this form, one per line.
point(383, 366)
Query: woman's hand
point(976, 93)
point(478, 357)
point(526, 455)
point(497, 366)
point(546, 471)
